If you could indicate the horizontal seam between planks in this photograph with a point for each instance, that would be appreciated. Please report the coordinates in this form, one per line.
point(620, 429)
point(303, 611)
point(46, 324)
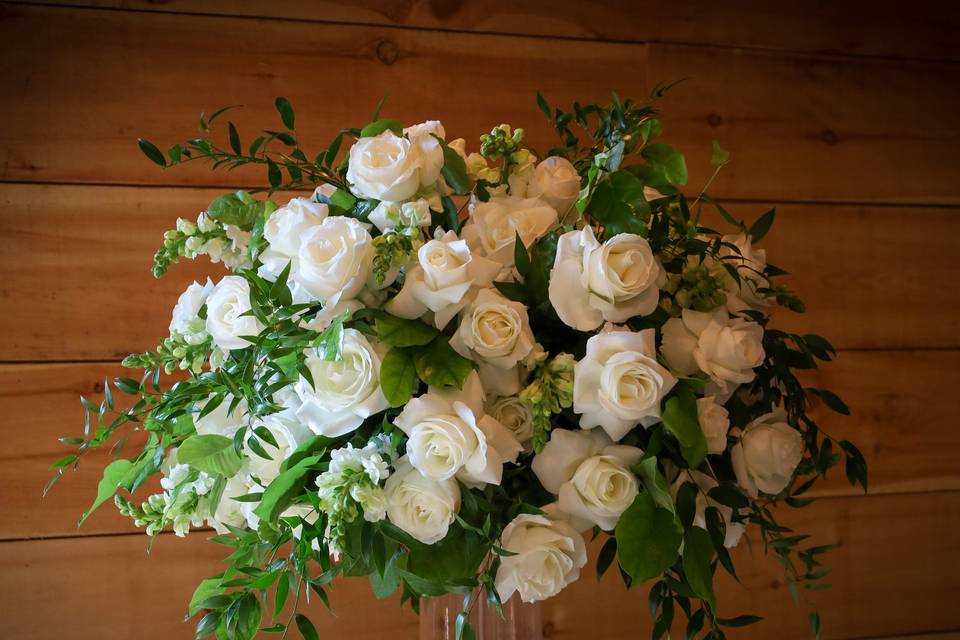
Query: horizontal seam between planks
point(503, 34)
point(909, 635)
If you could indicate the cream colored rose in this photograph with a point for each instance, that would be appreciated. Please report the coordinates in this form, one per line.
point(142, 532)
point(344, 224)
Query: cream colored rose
point(226, 309)
point(619, 384)
point(494, 225)
point(734, 530)
point(556, 181)
point(515, 415)
point(750, 263)
point(590, 474)
point(726, 349)
point(285, 227)
point(715, 422)
point(421, 506)
point(335, 260)
point(344, 392)
point(385, 167)
point(289, 434)
point(431, 153)
point(766, 454)
point(547, 556)
point(185, 320)
point(450, 435)
point(614, 281)
point(445, 273)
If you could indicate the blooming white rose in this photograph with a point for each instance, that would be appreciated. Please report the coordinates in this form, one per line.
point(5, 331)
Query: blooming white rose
point(766, 454)
point(619, 383)
point(614, 281)
point(391, 167)
point(226, 306)
point(495, 224)
point(335, 260)
point(387, 216)
point(556, 181)
point(495, 333)
point(185, 320)
point(445, 273)
point(229, 511)
point(750, 263)
point(344, 392)
point(726, 349)
point(590, 474)
point(289, 434)
point(515, 415)
point(451, 436)
point(734, 530)
point(714, 421)
point(431, 153)
point(221, 421)
point(547, 556)
point(285, 227)
point(421, 506)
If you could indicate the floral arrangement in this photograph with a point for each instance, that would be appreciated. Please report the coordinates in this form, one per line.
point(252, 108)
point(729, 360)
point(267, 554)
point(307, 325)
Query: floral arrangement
point(442, 370)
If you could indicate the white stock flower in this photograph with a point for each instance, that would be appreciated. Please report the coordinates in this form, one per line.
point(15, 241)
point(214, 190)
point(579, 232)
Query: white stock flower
point(445, 273)
point(614, 281)
point(556, 181)
point(185, 320)
point(619, 384)
point(226, 306)
point(590, 474)
point(391, 167)
point(515, 415)
point(335, 260)
point(547, 556)
point(766, 454)
point(726, 349)
point(734, 530)
point(451, 436)
point(344, 392)
point(750, 263)
point(494, 225)
point(495, 333)
point(421, 506)
point(387, 216)
point(715, 422)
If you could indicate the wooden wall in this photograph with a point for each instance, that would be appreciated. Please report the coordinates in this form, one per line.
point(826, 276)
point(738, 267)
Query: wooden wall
point(844, 115)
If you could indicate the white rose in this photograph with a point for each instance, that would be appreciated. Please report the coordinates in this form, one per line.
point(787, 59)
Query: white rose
point(431, 153)
point(285, 227)
point(387, 216)
point(185, 319)
point(766, 454)
point(750, 263)
point(734, 530)
point(515, 415)
point(335, 260)
point(548, 555)
point(421, 506)
point(614, 281)
point(714, 421)
point(344, 392)
point(289, 435)
point(229, 511)
point(557, 182)
point(451, 436)
point(384, 167)
point(590, 474)
point(726, 349)
point(226, 306)
point(495, 332)
point(221, 421)
point(619, 383)
point(494, 225)
point(445, 272)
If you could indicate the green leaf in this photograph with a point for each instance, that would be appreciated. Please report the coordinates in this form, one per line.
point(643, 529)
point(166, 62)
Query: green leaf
point(284, 488)
point(378, 127)
point(274, 177)
point(234, 139)
point(667, 163)
point(697, 556)
point(307, 630)
point(544, 106)
point(606, 556)
point(400, 332)
point(113, 475)
point(720, 156)
point(655, 484)
point(739, 621)
point(762, 225)
point(619, 205)
point(207, 589)
point(648, 539)
point(286, 112)
point(454, 169)
point(150, 150)
point(680, 419)
point(832, 400)
point(330, 341)
point(238, 208)
point(439, 365)
point(210, 453)
point(398, 376)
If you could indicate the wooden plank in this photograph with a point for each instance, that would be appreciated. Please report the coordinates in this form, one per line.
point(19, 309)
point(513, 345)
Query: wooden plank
point(813, 128)
point(929, 30)
point(120, 75)
point(903, 419)
point(872, 277)
point(876, 591)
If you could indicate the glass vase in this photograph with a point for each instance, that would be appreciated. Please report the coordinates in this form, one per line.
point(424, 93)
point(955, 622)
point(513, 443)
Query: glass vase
point(520, 621)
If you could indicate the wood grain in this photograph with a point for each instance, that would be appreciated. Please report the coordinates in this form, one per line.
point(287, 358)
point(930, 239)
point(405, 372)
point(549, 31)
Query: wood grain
point(889, 139)
point(928, 30)
point(903, 420)
point(109, 583)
